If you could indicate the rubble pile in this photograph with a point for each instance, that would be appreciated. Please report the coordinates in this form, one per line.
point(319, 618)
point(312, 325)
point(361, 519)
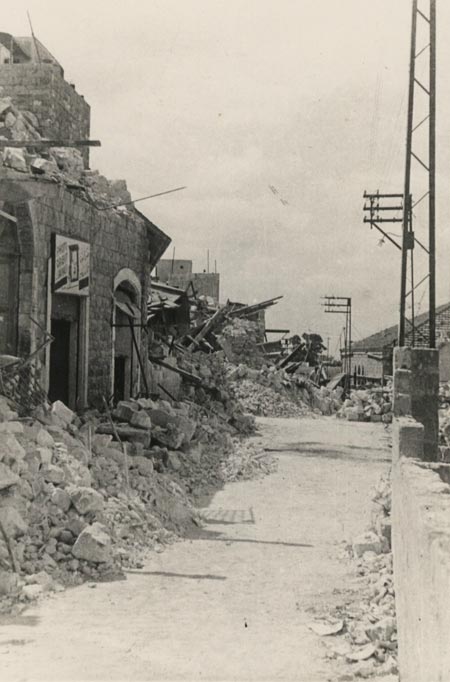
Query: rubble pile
point(240, 337)
point(84, 498)
point(364, 633)
point(374, 405)
point(266, 401)
point(273, 392)
point(73, 511)
point(63, 165)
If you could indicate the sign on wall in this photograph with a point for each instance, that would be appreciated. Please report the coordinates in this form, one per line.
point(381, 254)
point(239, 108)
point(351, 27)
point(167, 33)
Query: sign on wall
point(71, 266)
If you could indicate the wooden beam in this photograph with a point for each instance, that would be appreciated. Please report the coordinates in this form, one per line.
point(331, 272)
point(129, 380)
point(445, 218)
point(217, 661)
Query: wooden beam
point(8, 216)
point(49, 143)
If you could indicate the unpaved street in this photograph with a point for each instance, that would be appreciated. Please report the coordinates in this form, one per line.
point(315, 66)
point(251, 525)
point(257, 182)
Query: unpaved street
point(232, 604)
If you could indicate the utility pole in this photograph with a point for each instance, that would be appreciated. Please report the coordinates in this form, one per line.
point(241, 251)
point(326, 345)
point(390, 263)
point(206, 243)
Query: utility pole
point(342, 305)
point(417, 116)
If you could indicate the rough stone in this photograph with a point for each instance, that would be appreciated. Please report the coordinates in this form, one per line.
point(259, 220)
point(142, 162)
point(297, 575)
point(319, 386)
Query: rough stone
point(125, 410)
point(141, 420)
point(173, 461)
point(12, 522)
point(15, 158)
point(86, 499)
point(143, 465)
point(10, 448)
point(93, 544)
point(61, 499)
point(53, 474)
point(7, 477)
point(62, 412)
point(44, 439)
point(31, 592)
point(367, 542)
point(9, 583)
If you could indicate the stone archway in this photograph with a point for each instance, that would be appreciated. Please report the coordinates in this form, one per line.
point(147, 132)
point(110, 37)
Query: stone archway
point(126, 334)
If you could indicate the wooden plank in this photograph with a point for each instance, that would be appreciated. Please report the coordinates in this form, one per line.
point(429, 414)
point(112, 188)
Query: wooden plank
point(209, 326)
point(49, 143)
point(8, 216)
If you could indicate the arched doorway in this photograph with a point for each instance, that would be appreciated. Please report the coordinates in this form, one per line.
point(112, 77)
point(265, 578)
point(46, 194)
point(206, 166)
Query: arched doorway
point(9, 284)
point(126, 320)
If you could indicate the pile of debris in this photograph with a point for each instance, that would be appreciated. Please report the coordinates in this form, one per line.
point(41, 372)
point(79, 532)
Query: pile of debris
point(364, 634)
point(81, 499)
point(240, 338)
point(374, 405)
point(62, 165)
point(273, 392)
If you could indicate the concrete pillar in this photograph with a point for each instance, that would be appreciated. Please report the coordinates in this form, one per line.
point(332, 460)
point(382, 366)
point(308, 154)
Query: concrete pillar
point(416, 392)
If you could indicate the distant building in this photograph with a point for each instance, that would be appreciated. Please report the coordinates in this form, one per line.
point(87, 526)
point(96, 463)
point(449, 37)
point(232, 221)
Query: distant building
point(372, 357)
point(178, 273)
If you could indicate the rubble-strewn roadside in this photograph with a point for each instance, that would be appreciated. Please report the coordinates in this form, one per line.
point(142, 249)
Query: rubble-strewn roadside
point(374, 405)
point(78, 504)
point(362, 634)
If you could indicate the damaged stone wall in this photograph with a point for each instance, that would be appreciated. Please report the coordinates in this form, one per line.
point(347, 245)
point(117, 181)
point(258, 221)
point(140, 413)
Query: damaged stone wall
point(40, 88)
point(118, 240)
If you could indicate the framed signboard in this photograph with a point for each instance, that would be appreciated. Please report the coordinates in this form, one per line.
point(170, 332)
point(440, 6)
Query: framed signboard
point(71, 266)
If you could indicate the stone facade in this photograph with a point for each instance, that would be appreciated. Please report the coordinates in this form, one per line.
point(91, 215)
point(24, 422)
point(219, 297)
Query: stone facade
point(119, 243)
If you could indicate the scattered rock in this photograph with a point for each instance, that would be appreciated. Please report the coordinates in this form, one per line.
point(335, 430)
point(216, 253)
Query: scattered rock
point(86, 500)
point(93, 544)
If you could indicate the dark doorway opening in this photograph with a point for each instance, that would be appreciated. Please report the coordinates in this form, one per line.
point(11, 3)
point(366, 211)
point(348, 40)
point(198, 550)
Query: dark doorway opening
point(60, 361)
point(120, 363)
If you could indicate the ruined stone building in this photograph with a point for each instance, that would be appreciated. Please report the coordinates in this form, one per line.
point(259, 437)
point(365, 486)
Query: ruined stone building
point(74, 261)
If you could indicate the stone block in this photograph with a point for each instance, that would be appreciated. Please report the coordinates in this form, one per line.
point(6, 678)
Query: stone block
point(12, 522)
point(85, 499)
point(62, 412)
point(367, 542)
point(141, 420)
point(125, 410)
point(7, 477)
point(93, 544)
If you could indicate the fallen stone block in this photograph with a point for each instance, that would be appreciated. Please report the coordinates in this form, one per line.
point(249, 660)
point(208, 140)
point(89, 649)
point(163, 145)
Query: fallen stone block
point(53, 474)
point(159, 417)
point(173, 461)
point(93, 544)
point(7, 477)
point(85, 499)
point(141, 420)
point(9, 583)
point(45, 455)
point(143, 465)
point(128, 433)
point(10, 448)
point(382, 630)
point(62, 412)
point(14, 158)
point(61, 499)
point(12, 522)
point(44, 439)
point(367, 542)
point(125, 410)
point(31, 592)
point(11, 427)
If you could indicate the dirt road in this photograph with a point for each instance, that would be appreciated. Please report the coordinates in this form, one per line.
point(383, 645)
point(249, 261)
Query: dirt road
point(234, 603)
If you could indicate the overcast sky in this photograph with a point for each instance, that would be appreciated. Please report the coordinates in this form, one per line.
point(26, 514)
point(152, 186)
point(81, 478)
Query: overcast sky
point(231, 96)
